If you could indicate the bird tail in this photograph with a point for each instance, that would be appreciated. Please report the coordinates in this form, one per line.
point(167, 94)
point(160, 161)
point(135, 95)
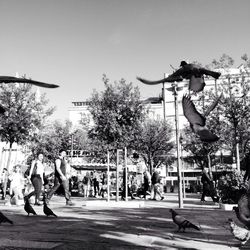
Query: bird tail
point(214, 74)
point(188, 224)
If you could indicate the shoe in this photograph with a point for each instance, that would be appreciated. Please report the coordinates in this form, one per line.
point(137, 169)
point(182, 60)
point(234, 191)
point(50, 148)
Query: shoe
point(69, 203)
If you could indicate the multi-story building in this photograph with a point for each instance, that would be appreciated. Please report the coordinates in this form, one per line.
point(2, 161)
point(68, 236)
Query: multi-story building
point(237, 79)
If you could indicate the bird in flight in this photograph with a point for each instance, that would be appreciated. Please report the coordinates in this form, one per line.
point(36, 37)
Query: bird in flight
point(198, 121)
point(12, 79)
point(192, 72)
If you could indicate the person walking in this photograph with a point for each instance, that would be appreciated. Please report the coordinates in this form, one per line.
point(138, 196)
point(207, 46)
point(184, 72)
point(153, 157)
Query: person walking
point(61, 178)
point(208, 186)
point(146, 182)
point(96, 183)
point(16, 186)
point(86, 184)
point(156, 184)
point(36, 177)
point(3, 177)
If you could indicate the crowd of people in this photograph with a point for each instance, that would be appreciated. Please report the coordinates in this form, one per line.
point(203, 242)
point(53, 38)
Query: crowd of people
point(33, 182)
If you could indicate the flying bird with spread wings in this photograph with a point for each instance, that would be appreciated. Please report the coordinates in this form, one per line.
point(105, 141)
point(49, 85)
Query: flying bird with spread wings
point(198, 121)
point(12, 79)
point(192, 72)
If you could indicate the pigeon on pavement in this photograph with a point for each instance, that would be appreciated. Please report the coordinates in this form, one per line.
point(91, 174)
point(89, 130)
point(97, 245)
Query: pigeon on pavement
point(4, 219)
point(28, 208)
point(198, 121)
point(47, 211)
point(181, 222)
point(239, 233)
point(12, 79)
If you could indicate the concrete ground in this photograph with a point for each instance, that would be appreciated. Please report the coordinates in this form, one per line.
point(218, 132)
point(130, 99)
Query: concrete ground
point(125, 225)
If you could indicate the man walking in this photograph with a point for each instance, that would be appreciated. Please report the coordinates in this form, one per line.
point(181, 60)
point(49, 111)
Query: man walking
point(61, 178)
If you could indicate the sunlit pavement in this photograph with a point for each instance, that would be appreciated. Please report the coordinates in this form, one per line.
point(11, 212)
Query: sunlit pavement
point(105, 226)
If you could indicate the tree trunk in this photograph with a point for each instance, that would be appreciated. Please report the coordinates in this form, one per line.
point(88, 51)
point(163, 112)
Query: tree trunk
point(8, 168)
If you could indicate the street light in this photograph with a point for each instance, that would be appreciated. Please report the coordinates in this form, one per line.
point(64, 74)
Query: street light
point(174, 89)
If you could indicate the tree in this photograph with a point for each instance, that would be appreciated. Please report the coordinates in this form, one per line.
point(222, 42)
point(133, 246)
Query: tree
point(154, 144)
point(24, 115)
point(117, 113)
point(51, 139)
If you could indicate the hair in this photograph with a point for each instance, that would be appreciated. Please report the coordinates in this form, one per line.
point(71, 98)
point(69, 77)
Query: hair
point(61, 150)
point(39, 153)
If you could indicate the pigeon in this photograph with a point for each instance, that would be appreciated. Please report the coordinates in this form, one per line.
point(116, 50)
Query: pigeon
point(12, 79)
point(243, 211)
point(28, 208)
point(198, 121)
point(47, 211)
point(3, 219)
point(193, 73)
point(239, 233)
point(181, 222)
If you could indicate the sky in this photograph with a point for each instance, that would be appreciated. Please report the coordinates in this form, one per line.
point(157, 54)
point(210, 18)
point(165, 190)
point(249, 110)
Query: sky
point(72, 43)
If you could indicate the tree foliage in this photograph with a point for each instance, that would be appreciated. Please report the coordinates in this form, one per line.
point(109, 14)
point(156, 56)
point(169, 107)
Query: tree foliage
point(154, 144)
point(24, 114)
point(117, 112)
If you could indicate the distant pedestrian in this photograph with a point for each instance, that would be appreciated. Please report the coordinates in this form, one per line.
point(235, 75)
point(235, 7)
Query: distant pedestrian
point(146, 182)
point(61, 177)
point(96, 183)
point(16, 186)
point(208, 185)
point(156, 184)
point(86, 184)
point(3, 179)
point(36, 176)
point(128, 187)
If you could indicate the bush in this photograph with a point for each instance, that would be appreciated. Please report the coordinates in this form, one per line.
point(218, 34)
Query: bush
point(230, 187)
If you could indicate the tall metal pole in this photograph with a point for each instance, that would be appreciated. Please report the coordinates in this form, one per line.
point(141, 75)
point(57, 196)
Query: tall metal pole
point(117, 175)
point(175, 93)
point(126, 174)
point(108, 180)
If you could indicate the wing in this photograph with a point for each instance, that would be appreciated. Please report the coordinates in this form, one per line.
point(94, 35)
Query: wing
point(12, 79)
point(179, 220)
point(190, 112)
point(167, 79)
point(212, 106)
point(196, 84)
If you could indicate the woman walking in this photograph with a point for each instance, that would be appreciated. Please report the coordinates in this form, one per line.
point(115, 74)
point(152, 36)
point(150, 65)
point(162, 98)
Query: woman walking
point(36, 176)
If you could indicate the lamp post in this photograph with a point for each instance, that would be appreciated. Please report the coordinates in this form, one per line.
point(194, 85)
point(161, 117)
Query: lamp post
point(235, 129)
point(174, 89)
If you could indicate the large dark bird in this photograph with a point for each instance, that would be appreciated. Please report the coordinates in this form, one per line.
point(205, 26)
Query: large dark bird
point(192, 72)
point(195, 74)
point(239, 233)
point(181, 222)
point(198, 121)
point(4, 219)
point(12, 79)
point(28, 208)
point(243, 211)
point(47, 211)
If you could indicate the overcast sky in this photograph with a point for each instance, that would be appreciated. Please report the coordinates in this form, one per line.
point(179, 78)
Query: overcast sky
point(73, 42)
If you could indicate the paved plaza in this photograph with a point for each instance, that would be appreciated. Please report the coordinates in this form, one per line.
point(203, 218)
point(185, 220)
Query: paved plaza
point(125, 225)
